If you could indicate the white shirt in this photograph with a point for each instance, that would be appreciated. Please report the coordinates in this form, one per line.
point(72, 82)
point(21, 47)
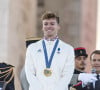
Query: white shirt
point(62, 66)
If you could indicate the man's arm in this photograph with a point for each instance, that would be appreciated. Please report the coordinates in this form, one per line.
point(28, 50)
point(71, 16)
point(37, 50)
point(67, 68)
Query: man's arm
point(67, 72)
point(30, 72)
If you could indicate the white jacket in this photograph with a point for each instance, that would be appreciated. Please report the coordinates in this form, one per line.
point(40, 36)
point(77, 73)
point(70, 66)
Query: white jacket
point(62, 66)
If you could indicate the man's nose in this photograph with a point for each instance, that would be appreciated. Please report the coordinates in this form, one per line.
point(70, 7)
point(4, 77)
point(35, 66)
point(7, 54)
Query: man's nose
point(82, 59)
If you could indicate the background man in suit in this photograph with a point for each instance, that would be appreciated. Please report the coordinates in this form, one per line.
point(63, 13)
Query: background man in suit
point(95, 62)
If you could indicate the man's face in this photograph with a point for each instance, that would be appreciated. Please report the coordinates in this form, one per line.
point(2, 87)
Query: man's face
point(80, 63)
point(95, 62)
point(50, 27)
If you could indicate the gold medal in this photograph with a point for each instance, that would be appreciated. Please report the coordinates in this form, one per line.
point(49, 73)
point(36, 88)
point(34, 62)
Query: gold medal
point(47, 72)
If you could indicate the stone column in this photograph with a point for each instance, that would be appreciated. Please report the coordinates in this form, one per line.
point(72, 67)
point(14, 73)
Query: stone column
point(88, 27)
point(98, 26)
point(17, 22)
point(4, 14)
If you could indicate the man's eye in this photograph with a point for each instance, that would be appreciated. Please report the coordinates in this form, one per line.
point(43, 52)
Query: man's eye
point(45, 23)
point(52, 23)
point(94, 60)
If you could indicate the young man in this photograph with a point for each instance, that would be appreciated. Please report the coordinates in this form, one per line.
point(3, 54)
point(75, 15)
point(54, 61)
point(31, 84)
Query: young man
point(49, 62)
point(80, 59)
point(80, 63)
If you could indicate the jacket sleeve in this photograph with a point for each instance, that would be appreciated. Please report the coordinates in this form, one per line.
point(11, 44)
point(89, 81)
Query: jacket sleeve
point(67, 72)
point(74, 80)
point(34, 83)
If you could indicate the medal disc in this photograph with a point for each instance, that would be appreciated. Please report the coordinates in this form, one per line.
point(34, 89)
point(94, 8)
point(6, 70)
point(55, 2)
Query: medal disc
point(47, 72)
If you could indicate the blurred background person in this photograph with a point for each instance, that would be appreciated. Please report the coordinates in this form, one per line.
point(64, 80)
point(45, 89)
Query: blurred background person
point(80, 64)
point(95, 63)
point(80, 59)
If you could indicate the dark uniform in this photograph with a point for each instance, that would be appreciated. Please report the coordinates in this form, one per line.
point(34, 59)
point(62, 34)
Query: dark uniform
point(75, 84)
point(77, 71)
point(6, 77)
point(97, 85)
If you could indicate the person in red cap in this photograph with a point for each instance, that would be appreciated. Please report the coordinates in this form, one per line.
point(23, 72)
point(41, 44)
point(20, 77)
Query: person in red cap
point(80, 59)
point(80, 63)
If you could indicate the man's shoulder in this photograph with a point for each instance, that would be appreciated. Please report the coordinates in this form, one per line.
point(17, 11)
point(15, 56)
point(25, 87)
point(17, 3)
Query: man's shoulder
point(66, 45)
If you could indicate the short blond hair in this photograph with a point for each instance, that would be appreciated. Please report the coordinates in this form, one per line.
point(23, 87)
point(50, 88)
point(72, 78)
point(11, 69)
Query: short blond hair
point(49, 15)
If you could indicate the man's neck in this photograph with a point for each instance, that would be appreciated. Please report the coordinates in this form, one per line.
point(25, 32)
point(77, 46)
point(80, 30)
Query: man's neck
point(51, 38)
point(80, 70)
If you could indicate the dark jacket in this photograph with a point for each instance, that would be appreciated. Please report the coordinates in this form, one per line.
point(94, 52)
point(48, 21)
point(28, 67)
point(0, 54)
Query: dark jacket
point(75, 83)
point(96, 87)
point(77, 71)
point(6, 76)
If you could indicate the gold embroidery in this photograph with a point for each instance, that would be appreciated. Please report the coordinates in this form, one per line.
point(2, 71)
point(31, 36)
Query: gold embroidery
point(7, 74)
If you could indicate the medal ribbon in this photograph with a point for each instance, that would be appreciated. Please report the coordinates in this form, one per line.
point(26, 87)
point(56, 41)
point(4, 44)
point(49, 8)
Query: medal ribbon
point(48, 62)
